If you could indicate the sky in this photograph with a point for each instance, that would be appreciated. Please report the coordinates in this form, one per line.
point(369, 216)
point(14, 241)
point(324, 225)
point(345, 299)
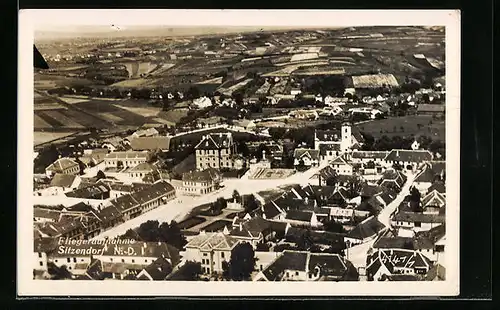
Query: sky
point(51, 32)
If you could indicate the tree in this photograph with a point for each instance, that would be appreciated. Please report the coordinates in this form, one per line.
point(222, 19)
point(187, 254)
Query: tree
point(130, 234)
point(250, 203)
point(190, 271)
point(236, 196)
point(100, 175)
point(242, 262)
point(171, 234)
point(415, 200)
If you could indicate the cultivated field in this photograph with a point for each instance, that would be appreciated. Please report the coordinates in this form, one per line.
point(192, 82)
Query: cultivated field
point(40, 137)
point(429, 127)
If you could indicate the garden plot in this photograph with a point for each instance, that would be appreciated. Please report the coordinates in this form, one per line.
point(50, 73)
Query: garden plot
point(40, 137)
point(38, 122)
point(110, 117)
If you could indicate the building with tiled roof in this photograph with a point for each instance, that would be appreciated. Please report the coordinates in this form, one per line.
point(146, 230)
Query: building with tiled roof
point(438, 186)
point(306, 157)
point(364, 231)
point(66, 182)
point(433, 202)
point(298, 217)
point(306, 266)
point(126, 159)
point(211, 250)
point(408, 159)
point(156, 271)
point(42, 215)
point(414, 221)
point(197, 183)
point(367, 156)
point(392, 179)
point(63, 166)
point(217, 151)
point(390, 262)
point(341, 166)
point(256, 229)
point(96, 191)
point(159, 143)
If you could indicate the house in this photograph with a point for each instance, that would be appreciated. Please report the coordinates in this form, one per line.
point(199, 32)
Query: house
point(329, 151)
point(202, 102)
point(413, 221)
point(65, 182)
point(125, 159)
point(146, 132)
point(157, 143)
point(216, 151)
point(433, 203)
point(302, 218)
point(256, 229)
point(246, 124)
point(140, 171)
point(95, 191)
point(63, 166)
point(42, 247)
point(390, 262)
point(341, 166)
point(436, 273)
point(211, 250)
point(430, 242)
point(306, 157)
point(271, 211)
point(156, 271)
point(43, 215)
point(304, 114)
point(335, 101)
point(392, 180)
point(113, 143)
point(306, 266)
point(197, 183)
point(439, 187)
point(365, 157)
point(431, 109)
point(364, 231)
point(121, 260)
point(331, 111)
point(93, 157)
point(408, 159)
point(341, 215)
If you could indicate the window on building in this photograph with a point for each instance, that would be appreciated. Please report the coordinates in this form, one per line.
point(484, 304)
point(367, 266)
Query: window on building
point(222, 254)
point(287, 274)
point(56, 260)
point(69, 260)
point(69, 268)
point(418, 224)
point(74, 259)
point(41, 263)
point(40, 255)
point(296, 273)
point(310, 276)
point(123, 260)
point(133, 261)
point(205, 254)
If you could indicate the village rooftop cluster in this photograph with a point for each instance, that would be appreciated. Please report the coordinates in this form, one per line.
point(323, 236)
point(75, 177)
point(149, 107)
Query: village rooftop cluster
point(280, 156)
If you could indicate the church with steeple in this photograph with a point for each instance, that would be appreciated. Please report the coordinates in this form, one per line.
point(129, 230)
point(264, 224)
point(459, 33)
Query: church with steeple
point(333, 143)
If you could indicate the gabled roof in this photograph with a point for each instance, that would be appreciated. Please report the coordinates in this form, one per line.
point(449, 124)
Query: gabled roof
point(80, 207)
point(434, 198)
point(155, 191)
point(324, 148)
point(427, 239)
point(215, 141)
point(211, 241)
point(46, 213)
point(437, 186)
point(418, 217)
point(303, 216)
point(62, 164)
point(158, 270)
point(339, 161)
point(143, 167)
point(426, 176)
point(63, 180)
point(311, 153)
point(397, 258)
point(416, 156)
point(368, 228)
point(90, 192)
point(207, 175)
point(369, 154)
point(329, 264)
point(150, 143)
point(437, 272)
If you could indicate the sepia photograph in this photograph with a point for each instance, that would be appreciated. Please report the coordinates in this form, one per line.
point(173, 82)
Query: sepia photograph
point(162, 156)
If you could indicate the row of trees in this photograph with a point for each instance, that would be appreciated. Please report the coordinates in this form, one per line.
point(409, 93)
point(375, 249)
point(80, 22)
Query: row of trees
point(153, 231)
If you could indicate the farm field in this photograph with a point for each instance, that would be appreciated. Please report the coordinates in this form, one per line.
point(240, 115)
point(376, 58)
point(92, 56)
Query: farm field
point(138, 107)
point(46, 82)
point(378, 128)
point(112, 112)
point(40, 137)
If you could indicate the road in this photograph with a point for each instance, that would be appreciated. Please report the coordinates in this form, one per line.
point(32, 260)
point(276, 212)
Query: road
point(180, 207)
point(357, 253)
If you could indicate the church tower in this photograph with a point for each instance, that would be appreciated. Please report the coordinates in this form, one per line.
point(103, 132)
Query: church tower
point(346, 137)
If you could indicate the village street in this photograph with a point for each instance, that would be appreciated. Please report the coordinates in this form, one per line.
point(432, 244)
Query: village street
point(357, 253)
point(180, 207)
